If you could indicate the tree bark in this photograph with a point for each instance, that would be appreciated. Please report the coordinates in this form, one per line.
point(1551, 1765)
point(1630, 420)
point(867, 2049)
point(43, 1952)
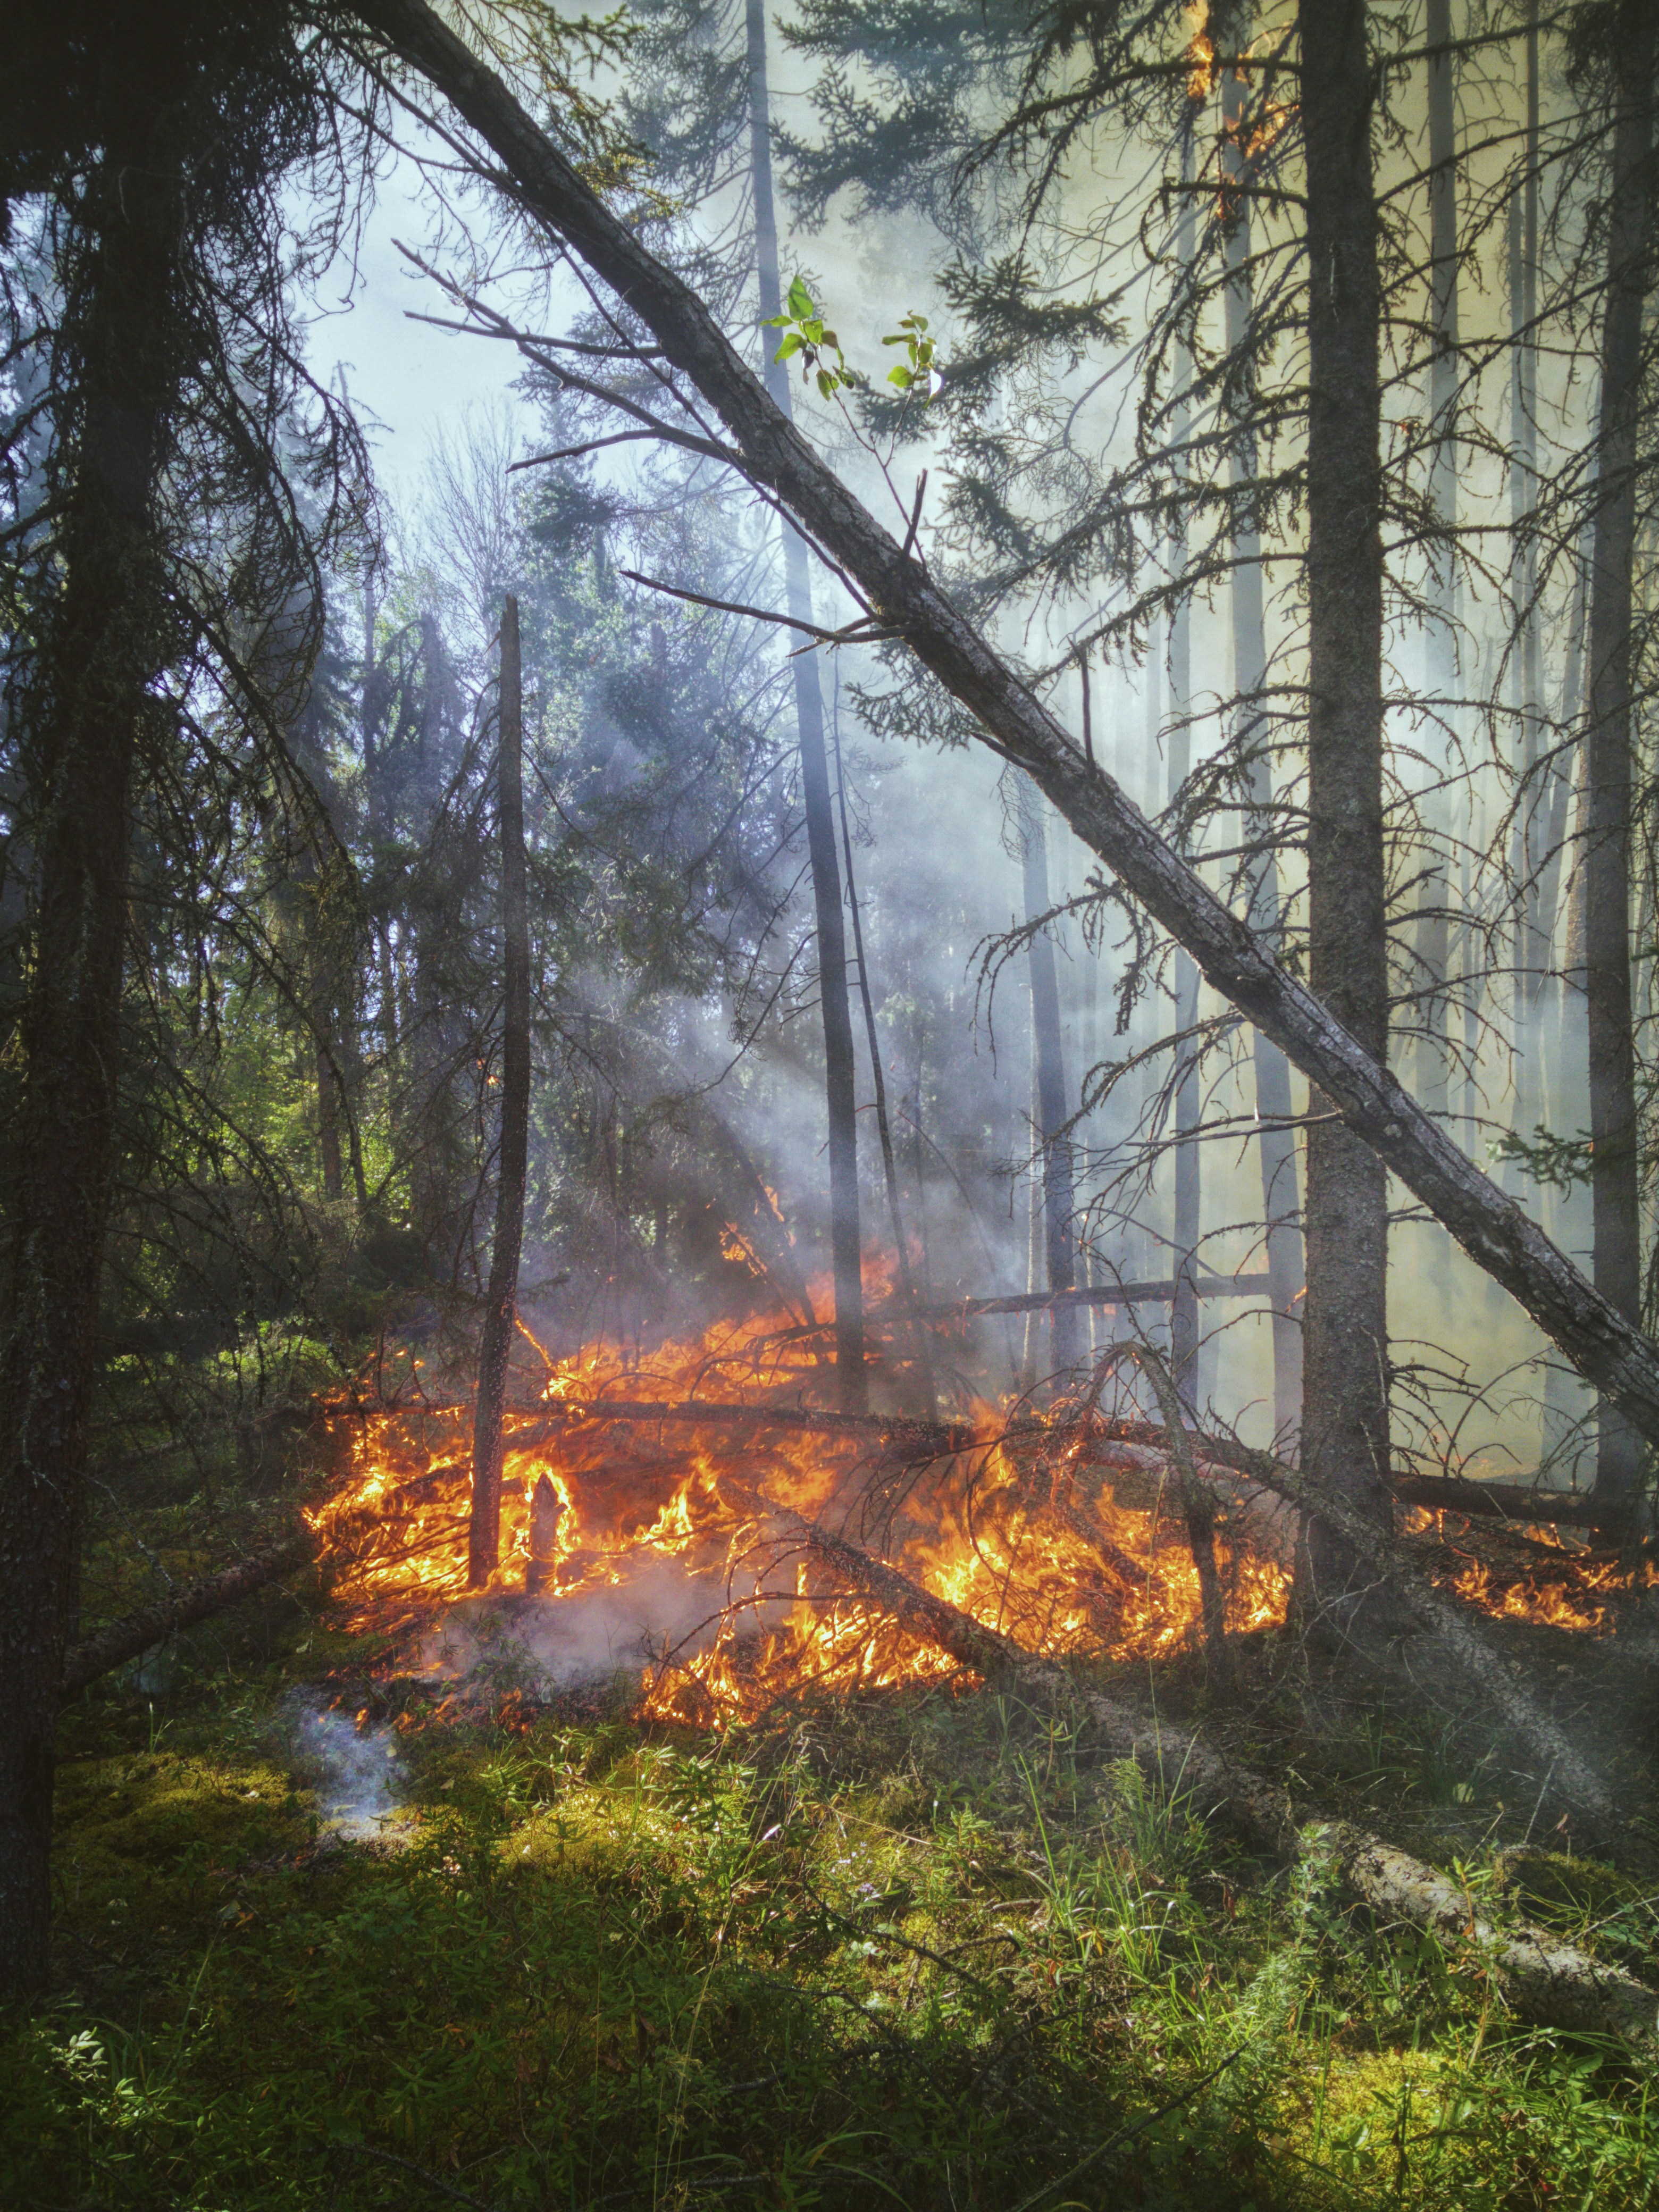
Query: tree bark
point(96, 666)
point(1615, 1187)
point(1281, 1200)
point(845, 1241)
point(501, 1301)
point(1345, 1391)
point(1059, 1246)
point(1605, 1346)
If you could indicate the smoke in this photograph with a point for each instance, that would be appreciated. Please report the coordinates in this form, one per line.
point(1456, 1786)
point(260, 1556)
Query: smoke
point(588, 1635)
point(358, 1777)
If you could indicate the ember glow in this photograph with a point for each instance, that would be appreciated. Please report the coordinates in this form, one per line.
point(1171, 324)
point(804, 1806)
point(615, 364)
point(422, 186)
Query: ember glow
point(689, 1523)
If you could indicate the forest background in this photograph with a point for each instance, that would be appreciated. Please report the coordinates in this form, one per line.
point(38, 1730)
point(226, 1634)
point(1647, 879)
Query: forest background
point(1346, 577)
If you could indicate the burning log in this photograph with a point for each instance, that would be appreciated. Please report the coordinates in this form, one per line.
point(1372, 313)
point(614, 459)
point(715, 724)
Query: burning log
point(1442, 1616)
point(1508, 1501)
point(907, 1437)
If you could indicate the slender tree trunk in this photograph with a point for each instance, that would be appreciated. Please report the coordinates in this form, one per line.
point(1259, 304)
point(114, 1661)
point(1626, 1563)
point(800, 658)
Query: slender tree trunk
point(838, 1064)
point(922, 1350)
point(1443, 670)
point(1616, 1185)
point(1188, 1225)
point(1345, 1431)
point(90, 696)
point(501, 1301)
point(1530, 954)
point(1281, 1201)
point(1048, 1059)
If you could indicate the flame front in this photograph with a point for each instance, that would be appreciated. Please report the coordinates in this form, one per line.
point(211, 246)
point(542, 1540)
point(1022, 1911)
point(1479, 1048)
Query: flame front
point(1019, 1532)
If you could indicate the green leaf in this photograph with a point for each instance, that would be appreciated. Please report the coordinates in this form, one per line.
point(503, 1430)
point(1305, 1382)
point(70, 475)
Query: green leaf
point(826, 383)
point(900, 376)
point(800, 299)
point(791, 345)
point(895, 338)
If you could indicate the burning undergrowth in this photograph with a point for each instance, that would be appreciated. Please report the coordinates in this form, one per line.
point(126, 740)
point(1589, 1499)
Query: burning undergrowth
point(665, 1519)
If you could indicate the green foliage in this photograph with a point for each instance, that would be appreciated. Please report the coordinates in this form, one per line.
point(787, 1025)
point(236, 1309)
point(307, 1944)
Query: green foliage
point(806, 332)
point(922, 1952)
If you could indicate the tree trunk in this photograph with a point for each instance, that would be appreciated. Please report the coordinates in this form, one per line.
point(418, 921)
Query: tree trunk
point(838, 1065)
point(95, 671)
point(1281, 1201)
point(1444, 680)
point(922, 1348)
point(1187, 1226)
point(1051, 1097)
point(1345, 1397)
point(1615, 1187)
point(1531, 953)
point(1605, 1346)
point(501, 1301)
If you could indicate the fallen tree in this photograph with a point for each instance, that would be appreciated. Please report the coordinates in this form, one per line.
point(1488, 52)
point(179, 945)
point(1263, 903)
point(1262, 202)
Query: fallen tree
point(1551, 1982)
point(900, 598)
point(111, 1646)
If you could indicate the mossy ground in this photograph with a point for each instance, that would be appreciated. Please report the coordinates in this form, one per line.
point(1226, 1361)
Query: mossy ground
point(920, 1951)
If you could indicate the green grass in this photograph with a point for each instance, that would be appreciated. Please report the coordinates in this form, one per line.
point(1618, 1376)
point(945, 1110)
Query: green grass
point(916, 1951)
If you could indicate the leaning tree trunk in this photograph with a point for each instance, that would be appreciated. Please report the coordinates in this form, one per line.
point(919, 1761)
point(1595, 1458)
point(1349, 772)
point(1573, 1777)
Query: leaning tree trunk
point(838, 1066)
point(501, 1301)
point(94, 668)
point(1606, 1348)
point(1048, 1058)
point(1616, 1186)
point(1344, 1421)
point(1281, 1200)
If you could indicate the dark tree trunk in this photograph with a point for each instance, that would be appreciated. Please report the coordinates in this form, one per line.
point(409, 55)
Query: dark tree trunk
point(1345, 1423)
point(500, 1300)
point(1615, 1187)
point(95, 667)
point(1281, 1199)
point(838, 1064)
point(1607, 1348)
point(1048, 1054)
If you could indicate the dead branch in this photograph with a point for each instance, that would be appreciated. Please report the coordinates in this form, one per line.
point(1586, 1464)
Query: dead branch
point(1182, 1761)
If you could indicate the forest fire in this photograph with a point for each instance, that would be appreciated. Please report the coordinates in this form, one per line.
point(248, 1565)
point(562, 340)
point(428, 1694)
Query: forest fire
point(663, 1515)
point(680, 1543)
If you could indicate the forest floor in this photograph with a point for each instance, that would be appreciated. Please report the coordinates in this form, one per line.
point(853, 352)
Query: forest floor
point(910, 1949)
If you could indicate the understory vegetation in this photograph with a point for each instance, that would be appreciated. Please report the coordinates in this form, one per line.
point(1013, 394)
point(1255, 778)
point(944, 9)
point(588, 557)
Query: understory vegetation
point(922, 1948)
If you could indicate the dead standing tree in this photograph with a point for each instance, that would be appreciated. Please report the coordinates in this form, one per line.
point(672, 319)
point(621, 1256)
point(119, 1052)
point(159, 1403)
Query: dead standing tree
point(500, 1300)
